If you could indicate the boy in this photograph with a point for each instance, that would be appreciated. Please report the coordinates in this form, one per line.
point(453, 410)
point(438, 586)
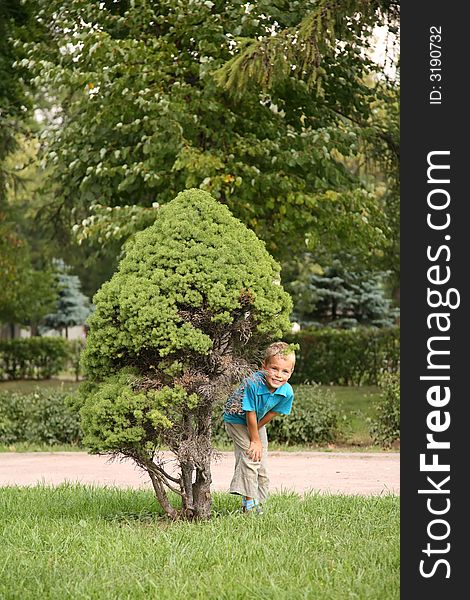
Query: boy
point(258, 400)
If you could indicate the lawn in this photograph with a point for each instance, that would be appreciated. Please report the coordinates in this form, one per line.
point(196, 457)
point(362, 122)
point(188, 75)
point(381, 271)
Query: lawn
point(84, 542)
point(357, 409)
point(25, 386)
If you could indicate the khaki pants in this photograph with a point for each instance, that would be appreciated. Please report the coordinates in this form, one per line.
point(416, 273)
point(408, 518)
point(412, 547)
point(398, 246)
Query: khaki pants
point(250, 478)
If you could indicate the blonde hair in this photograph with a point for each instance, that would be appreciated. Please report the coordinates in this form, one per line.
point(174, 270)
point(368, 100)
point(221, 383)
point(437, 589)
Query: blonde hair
point(279, 349)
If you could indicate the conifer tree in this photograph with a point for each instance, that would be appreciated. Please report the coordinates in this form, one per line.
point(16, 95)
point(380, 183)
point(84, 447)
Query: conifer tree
point(72, 307)
point(174, 328)
point(344, 298)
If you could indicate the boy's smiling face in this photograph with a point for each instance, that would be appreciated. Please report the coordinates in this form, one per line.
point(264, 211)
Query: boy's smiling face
point(278, 371)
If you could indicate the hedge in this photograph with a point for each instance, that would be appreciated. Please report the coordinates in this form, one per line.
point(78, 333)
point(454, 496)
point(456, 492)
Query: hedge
point(43, 416)
point(33, 357)
point(345, 356)
point(47, 416)
point(385, 428)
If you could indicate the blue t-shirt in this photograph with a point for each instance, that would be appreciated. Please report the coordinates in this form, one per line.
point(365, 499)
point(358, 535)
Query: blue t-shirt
point(254, 394)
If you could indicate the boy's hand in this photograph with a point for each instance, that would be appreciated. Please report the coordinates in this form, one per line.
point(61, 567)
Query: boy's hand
point(255, 451)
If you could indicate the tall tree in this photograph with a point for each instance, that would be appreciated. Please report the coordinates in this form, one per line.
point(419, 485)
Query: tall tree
point(12, 98)
point(13, 14)
point(26, 293)
point(31, 297)
point(142, 118)
point(329, 51)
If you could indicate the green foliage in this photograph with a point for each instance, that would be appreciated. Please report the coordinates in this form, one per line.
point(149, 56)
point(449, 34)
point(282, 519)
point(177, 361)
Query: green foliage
point(345, 357)
point(72, 307)
point(28, 294)
point(20, 298)
point(33, 295)
point(195, 257)
point(143, 118)
point(15, 20)
point(313, 419)
point(116, 417)
point(33, 357)
point(342, 298)
point(307, 50)
point(386, 426)
point(383, 156)
point(13, 261)
point(26, 278)
point(42, 416)
point(362, 94)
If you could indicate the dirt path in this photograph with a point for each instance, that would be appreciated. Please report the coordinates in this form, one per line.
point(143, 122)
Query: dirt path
point(331, 472)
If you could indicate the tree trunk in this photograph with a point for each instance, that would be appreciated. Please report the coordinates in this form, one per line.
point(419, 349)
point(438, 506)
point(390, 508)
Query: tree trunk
point(158, 479)
point(202, 485)
point(187, 470)
point(160, 491)
point(202, 491)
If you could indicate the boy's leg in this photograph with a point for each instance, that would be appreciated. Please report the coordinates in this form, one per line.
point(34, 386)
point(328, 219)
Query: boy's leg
point(263, 479)
point(245, 476)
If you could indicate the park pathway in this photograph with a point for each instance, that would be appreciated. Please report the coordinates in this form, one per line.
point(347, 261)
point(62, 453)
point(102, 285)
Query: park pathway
point(327, 472)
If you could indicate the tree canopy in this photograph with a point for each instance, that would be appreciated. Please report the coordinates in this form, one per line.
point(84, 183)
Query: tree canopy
point(15, 20)
point(143, 114)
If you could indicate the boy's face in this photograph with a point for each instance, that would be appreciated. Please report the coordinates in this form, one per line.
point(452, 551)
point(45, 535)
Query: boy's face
point(278, 370)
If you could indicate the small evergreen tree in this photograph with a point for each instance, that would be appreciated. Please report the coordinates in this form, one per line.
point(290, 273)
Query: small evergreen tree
point(342, 298)
point(173, 329)
point(72, 306)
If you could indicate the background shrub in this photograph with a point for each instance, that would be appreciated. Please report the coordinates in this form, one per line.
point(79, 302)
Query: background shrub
point(345, 357)
point(33, 357)
point(385, 428)
point(313, 420)
point(42, 416)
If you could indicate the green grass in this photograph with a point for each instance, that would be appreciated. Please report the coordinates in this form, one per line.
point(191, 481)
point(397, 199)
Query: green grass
point(25, 386)
point(30, 447)
point(357, 408)
point(74, 541)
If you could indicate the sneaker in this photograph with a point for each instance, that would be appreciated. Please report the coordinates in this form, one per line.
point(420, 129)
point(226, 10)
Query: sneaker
point(253, 507)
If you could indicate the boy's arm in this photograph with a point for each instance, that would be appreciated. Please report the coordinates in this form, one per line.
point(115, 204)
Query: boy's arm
point(267, 417)
point(255, 451)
